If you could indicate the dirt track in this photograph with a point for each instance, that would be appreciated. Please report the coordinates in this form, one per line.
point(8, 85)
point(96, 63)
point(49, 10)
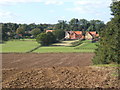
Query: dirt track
point(58, 70)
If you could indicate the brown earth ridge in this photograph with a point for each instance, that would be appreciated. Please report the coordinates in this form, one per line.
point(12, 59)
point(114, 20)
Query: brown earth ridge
point(56, 70)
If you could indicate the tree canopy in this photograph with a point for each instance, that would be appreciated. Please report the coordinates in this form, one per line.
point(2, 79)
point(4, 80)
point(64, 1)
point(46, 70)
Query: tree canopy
point(109, 48)
point(45, 39)
point(36, 31)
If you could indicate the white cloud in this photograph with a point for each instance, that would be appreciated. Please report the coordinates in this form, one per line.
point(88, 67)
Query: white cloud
point(6, 14)
point(46, 2)
point(98, 3)
point(76, 9)
point(51, 11)
point(56, 2)
point(89, 6)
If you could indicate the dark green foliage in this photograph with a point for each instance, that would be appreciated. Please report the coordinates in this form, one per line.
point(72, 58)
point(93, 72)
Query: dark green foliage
point(20, 30)
point(5, 32)
point(11, 30)
point(74, 24)
point(109, 49)
point(61, 25)
point(95, 25)
point(45, 39)
point(59, 34)
point(36, 31)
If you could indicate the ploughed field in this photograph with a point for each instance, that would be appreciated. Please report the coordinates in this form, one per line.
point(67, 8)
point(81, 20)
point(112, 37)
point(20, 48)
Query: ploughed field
point(55, 70)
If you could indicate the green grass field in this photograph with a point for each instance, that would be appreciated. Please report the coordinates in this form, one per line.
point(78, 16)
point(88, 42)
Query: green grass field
point(87, 46)
point(53, 49)
point(18, 46)
point(27, 45)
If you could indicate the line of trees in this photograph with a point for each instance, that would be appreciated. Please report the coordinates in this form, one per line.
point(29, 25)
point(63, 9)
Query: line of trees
point(13, 30)
point(78, 25)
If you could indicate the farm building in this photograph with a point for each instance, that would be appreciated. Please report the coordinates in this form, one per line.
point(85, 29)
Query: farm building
point(79, 35)
point(90, 35)
point(73, 35)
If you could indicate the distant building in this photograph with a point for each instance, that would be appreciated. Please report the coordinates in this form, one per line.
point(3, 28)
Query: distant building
point(90, 35)
point(78, 35)
point(73, 35)
point(49, 31)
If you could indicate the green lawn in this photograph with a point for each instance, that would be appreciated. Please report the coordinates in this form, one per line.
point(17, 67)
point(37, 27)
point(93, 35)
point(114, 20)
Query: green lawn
point(87, 46)
point(27, 45)
point(18, 46)
point(61, 49)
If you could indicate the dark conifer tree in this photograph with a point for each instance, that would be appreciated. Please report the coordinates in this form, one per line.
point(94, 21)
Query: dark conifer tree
point(109, 45)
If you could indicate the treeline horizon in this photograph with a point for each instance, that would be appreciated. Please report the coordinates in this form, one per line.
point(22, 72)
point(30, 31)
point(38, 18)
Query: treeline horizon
point(9, 30)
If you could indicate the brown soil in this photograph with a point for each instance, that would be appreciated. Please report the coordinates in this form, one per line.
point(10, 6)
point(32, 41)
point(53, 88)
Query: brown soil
point(56, 70)
point(46, 60)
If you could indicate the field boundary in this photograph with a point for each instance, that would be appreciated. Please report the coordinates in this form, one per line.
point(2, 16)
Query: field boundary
point(33, 49)
point(84, 48)
point(42, 53)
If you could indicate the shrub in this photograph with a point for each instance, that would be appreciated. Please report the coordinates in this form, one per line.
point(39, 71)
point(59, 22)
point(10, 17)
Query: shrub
point(45, 39)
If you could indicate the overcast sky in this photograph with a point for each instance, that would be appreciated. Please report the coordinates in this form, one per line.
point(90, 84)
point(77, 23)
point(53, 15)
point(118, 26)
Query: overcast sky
point(50, 11)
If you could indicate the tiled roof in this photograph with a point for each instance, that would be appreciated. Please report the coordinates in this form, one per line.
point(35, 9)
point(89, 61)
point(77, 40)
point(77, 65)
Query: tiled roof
point(93, 32)
point(50, 30)
point(78, 32)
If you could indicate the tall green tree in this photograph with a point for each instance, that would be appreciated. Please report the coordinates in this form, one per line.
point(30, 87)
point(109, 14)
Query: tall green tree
point(20, 30)
point(36, 31)
point(83, 26)
point(109, 48)
point(45, 39)
point(61, 25)
point(59, 34)
point(74, 24)
point(5, 31)
point(95, 25)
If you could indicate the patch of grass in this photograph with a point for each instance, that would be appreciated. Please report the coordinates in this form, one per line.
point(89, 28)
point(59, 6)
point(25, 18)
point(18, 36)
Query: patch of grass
point(108, 65)
point(76, 43)
point(87, 45)
point(18, 46)
point(27, 45)
point(54, 49)
point(28, 39)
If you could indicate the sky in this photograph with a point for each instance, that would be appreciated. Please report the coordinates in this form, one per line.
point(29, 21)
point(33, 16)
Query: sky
point(50, 11)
